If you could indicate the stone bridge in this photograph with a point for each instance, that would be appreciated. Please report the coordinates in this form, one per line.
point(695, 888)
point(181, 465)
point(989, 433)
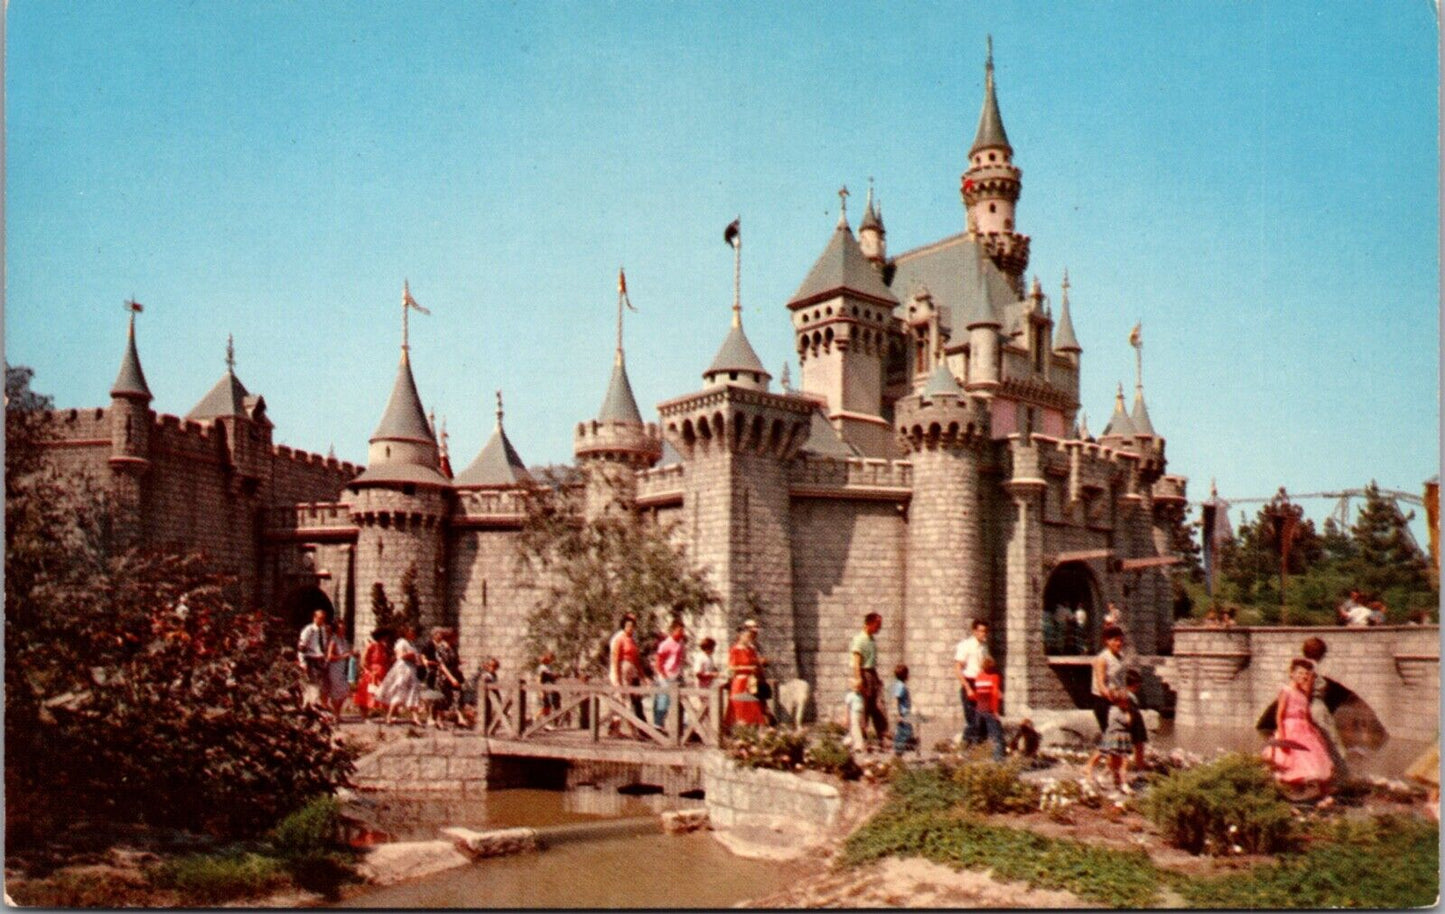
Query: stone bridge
point(1229, 676)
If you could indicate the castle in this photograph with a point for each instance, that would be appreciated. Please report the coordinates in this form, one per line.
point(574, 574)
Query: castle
point(931, 467)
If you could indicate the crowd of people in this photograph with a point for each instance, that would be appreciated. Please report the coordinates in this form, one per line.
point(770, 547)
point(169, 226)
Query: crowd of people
point(397, 674)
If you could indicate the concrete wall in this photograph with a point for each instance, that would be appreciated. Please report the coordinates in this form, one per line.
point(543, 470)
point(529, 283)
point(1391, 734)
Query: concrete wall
point(1229, 676)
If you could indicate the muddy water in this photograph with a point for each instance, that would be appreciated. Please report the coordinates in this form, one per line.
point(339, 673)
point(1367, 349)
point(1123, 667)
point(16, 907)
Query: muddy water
point(647, 871)
point(417, 817)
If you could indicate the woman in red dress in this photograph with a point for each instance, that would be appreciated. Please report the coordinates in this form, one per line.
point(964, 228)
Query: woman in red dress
point(374, 664)
point(744, 669)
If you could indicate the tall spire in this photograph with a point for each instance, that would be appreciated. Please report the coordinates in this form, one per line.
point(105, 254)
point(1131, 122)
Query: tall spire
point(131, 380)
point(1119, 425)
point(736, 358)
point(228, 397)
point(843, 207)
point(1064, 338)
point(990, 122)
point(497, 464)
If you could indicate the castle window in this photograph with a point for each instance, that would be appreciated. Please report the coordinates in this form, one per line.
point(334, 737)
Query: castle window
point(408, 489)
point(993, 208)
point(1008, 225)
point(992, 157)
point(732, 375)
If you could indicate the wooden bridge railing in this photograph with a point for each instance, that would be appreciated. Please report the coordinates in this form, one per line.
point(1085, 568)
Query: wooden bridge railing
point(595, 712)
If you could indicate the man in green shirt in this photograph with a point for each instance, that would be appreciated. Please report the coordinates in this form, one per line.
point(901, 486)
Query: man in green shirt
point(863, 657)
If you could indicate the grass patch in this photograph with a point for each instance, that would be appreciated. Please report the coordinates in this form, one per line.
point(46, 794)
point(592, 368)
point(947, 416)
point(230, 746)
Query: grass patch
point(1389, 863)
point(1098, 875)
point(211, 878)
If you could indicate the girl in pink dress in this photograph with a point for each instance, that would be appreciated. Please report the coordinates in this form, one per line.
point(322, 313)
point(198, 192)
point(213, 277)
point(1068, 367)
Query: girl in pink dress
point(1298, 752)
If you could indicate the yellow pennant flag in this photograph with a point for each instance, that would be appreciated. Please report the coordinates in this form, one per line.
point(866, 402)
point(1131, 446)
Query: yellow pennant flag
point(1136, 336)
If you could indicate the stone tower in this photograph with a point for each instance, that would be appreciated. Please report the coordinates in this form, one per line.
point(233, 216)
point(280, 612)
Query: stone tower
point(400, 505)
point(842, 326)
point(612, 448)
point(944, 432)
point(242, 418)
point(737, 439)
point(991, 188)
point(130, 423)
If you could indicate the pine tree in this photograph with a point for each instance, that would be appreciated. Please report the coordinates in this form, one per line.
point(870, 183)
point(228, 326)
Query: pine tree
point(1387, 562)
point(382, 611)
point(410, 599)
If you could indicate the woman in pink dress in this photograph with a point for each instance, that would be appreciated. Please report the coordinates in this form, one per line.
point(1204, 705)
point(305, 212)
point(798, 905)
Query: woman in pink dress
point(1297, 752)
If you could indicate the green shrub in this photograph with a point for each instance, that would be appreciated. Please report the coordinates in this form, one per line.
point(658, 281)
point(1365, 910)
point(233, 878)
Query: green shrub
point(307, 831)
point(767, 747)
point(1229, 803)
point(990, 787)
point(826, 753)
point(210, 878)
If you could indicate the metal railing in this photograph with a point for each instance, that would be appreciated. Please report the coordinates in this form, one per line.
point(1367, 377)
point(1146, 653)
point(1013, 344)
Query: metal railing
point(564, 712)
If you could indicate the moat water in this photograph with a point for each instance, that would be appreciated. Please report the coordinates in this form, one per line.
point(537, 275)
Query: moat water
point(651, 870)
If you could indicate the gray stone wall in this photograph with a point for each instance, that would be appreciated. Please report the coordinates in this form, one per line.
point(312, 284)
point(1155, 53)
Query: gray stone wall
point(847, 561)
point(1228, 676)
point(397, 532)
point(491, 600)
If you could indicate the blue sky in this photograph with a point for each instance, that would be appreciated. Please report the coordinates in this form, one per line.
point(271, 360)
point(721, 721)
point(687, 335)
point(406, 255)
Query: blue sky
point(1257, 182)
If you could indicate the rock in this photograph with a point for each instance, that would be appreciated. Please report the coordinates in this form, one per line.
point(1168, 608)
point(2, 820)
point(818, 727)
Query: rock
point(681, 821)
point(499, 842)
point(388, 863)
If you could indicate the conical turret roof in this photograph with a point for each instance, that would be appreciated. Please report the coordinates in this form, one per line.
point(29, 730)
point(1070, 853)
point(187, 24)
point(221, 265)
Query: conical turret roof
point(736, 354)
point(619, 405)
point(842, 267)
point(1064, 338)
point(1119, 425)
point(941, 382)
point(1140, 417)
point(131, 381)
point(404, 419)
point(990, 123)
point(228, 398)
point(982, 302)
point(872, 217)
point(497, 464)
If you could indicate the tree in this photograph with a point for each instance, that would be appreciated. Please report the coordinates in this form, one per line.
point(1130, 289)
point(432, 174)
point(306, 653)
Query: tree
point(589, 573)
point(410, 599)
point(1386, 561)
point(134, 691)
point(382, 613)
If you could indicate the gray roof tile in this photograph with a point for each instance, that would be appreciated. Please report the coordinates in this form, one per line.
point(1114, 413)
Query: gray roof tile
point(842, 267)
point(131, 381)
point(227, 398)
point(824, 440)
point(497, 465)
point(990, 122)
point(619, 405)
point(1064, 338)
point(1119, 425)
point(404, 418)
point(736, 354)
point(941, 382)
point(967, 287)
point(1139, 420)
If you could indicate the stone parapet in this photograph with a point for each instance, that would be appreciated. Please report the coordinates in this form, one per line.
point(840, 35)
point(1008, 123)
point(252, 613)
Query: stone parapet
point(754, 797)
point(853, 477)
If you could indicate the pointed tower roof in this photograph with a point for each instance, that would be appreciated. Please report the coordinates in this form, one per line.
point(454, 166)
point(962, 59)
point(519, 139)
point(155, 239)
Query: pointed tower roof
point(984, 293)
point(872, 216)
point(824, 440)
point(736, 354)
point(404, 418)
point(941, 383)
point(1139, 419)
point(1064, 338)
point(990, 123)
point(497, 464)
point(229, 397)
point(131, 381)
point(842, 267)
point(619, 405)
point(1084, 427)
point(1119, 425)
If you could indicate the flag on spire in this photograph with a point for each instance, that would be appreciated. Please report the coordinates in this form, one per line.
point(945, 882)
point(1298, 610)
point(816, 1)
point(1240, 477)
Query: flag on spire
point(622, 289)
point(732, 235)
point(1136, 336)
point(407, 301)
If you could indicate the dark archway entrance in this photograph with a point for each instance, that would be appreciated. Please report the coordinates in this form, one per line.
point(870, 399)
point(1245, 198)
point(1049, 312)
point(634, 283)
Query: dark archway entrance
point(301, 602)
point(1066, 630)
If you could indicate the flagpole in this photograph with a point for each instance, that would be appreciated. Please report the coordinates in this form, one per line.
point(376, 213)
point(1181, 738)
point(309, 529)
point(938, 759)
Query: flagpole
point(1139, 357)
point(405, 302)
point(738, 277)
point(621, 291)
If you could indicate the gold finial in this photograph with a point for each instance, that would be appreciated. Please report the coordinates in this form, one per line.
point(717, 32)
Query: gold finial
point(1066, 285)
point(843, 206)
point(230, 353)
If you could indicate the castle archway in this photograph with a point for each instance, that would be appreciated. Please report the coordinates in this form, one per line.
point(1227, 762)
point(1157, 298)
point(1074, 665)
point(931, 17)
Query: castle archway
point(1071, 587)
point(302, 602)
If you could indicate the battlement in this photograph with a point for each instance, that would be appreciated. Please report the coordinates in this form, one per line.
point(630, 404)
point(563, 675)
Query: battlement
point(312, 459)
point(491, 507)
point(310, 520)
point(943, 421)
point(661, 483)
point(850, 477)
point(639, 444)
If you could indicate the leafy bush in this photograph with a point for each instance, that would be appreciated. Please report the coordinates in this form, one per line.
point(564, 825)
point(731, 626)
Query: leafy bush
point(209, 878)
point(767, 747)
point(308, 830)
point(990, 787)
point(826, 753)
point(1228, 803)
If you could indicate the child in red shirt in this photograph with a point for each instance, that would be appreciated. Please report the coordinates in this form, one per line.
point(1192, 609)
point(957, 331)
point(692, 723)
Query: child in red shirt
point(988, 691)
